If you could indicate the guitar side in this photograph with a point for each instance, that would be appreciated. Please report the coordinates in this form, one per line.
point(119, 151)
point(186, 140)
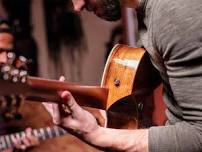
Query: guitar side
point(131, 79)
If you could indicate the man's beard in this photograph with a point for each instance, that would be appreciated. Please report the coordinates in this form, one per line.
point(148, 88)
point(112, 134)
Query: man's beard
point(112, 10)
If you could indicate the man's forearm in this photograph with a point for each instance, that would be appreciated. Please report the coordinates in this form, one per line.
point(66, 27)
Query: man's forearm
point(120, 139)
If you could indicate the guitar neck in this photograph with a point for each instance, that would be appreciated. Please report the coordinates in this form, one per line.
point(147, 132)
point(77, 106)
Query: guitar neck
point(47, 90)
point(42, 90)
point(42, 134)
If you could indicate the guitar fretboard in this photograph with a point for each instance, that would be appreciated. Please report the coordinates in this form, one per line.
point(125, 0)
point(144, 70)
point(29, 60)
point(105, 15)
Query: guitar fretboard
point(6, 141)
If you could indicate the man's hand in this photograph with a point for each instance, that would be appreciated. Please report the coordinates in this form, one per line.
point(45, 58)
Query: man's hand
point(27, 141)
point(72, 117)
point(83, 124)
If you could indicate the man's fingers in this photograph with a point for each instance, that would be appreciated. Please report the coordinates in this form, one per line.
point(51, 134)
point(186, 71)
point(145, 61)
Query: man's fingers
point(26, 143)
point(26, 140)
point(31, 138)
point(16, 141)
point(69, 101)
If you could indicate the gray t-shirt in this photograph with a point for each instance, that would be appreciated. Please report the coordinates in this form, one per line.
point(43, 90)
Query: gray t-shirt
point(171, 32)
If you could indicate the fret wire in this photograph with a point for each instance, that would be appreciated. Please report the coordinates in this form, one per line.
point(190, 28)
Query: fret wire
point(12, 137)
point(49, 132)
point(2, 143)
point(36, 134)
point(11, 141)
point(8, 142)
point(46, 133)
point(56, 131)
point(40, 136)
point(53, 131)
point(17, 135)
point(42, 133)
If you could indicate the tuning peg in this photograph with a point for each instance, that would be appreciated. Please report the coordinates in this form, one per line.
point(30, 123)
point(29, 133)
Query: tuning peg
point(5, 71)
point(15, 75)
point(5, 68)
point(23, 75)
point(22, 62)
point(11, 58)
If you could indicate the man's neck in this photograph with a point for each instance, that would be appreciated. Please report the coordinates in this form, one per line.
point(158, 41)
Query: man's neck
point(130, 3)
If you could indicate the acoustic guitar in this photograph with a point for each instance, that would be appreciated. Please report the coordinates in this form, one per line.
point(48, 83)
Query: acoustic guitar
point(128, 80)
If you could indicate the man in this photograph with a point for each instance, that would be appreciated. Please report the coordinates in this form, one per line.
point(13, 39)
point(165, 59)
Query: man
point(171, 33)
point(6, 45)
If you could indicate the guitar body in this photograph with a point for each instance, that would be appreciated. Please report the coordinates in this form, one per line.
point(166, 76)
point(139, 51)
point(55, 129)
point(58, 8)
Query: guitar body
point(120, 72)
point(131, 79)
point(119, 75)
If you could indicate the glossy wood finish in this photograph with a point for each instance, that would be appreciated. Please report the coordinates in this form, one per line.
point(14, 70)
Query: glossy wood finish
point(133, 96)
point(119, 77)
point(120, 71)
point(47, 90)
point(39, 89)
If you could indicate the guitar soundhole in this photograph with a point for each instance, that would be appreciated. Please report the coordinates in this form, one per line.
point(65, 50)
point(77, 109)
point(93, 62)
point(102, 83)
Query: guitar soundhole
point(117, 82)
